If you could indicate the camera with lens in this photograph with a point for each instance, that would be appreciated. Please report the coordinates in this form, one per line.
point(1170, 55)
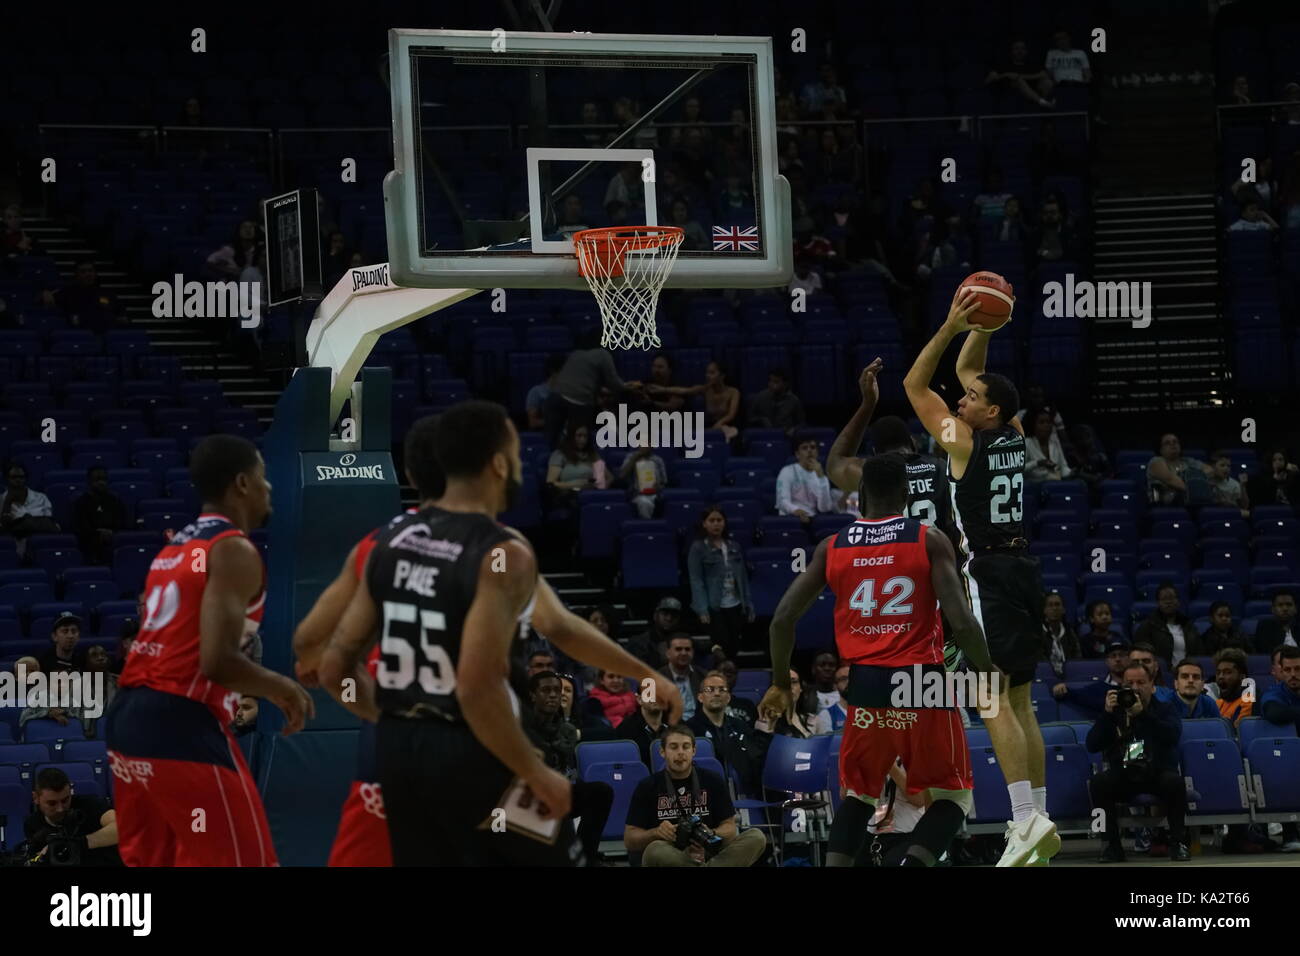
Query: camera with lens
point(62, 844)
point(692, 831)
point(1125, 699)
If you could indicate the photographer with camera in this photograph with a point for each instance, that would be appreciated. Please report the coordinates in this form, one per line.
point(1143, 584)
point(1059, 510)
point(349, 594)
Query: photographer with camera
point(684, 816)
point(1138, 734)
point(69, 830)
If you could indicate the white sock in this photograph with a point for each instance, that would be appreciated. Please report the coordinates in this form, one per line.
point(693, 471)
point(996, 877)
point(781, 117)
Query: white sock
point(1040, 800)
point(1022, 800)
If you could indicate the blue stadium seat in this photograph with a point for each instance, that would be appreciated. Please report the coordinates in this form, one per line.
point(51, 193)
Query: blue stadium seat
point(51, 732)
point(1275, 774)
point(592, 752)
point(1068, 769)
point(1214, 770)
point(598, 527)
point(623, 777)
point(1209, 728)
point(992, 803)
point(650, 561)
point(1254, 728)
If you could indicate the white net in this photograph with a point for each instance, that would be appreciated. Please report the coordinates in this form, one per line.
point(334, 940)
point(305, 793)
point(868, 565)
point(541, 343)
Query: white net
point(626, 269)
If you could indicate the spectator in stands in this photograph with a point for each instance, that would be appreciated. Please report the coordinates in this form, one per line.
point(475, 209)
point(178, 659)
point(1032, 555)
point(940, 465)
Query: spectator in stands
point(1241, 91)
point(1189, 684)
point(1013, 73)
point(830, 720)
point(661, 396)
point(798, 721)
point(573, 467)
point(568, 694)
point(739, 747)
point(84, 302)
point(802, 488)
point(1055, 237)
point(576, 388)
point(544, 723)
point(1232, 690)
point(1145, 654)
point(1093, 463)
point(1222, 632)
point(1065, 64)
point(1044, 457)
point(644, 726)
point(651, 645)
point(645, 475)
point(1140, 744)
point(1175, 480)
point(1281, 628)
point(825, 665)
point(1280, 705)
point(824, 99)
point(14, 241)
point(805, 278)
point(1096, 641)
point(625, 187)
point(720, 594)
point(1059, 634)
point(989, 204)
point(604, 619)
point(245, 721)
point(244, 257)
point(1278, 484)
point(1012, 228)
point(96, 515)
point(654, 811)
point(1091, 695)
point(721, 401)
point(63, 654)
point(571, 216)
point(1253, 218)
point(592, 138)
point(740, 708)
point(126, 637)
point(23, 510)
point(615, 700)
point(86, 820)
point(97, 662)
point(540, 662)
point(681, 670)
point(535, 401)
point(1263, 188)
point(831, 165)
point(695, 239)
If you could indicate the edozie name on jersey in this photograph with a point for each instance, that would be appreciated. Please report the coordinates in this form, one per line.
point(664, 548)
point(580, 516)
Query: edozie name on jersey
point(415, 577)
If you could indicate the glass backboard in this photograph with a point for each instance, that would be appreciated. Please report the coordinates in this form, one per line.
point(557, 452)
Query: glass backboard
point(507, 143)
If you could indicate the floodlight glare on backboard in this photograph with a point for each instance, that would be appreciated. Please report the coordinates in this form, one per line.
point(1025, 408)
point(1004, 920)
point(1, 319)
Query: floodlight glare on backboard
point(529, 137)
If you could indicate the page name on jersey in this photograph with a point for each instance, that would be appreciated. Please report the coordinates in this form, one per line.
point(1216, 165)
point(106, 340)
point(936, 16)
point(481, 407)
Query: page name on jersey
point(415, 577)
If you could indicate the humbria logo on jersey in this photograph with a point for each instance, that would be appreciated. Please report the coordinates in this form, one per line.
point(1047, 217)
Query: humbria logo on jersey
point(75, 909)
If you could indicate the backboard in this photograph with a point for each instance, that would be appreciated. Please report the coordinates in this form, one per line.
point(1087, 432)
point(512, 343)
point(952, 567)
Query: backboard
point(506, 143)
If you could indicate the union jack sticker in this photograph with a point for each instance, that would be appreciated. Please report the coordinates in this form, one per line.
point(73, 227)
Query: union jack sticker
point(735, 238)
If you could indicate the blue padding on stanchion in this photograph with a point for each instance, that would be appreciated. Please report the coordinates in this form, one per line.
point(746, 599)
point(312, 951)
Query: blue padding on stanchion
point(304, 780)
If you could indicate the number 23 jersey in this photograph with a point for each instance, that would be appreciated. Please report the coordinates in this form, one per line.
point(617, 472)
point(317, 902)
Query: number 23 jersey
point(988, 499)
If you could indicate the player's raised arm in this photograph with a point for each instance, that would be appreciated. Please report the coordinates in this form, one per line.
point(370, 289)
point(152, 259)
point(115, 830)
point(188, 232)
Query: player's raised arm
point(973, 357)
point(966, 630)
point(583, 642)
point(482, 689)
point(949, 431)
point(843, 467)
point(313, 632)
point(344, 657)
point(796, 601)
point(234, 579)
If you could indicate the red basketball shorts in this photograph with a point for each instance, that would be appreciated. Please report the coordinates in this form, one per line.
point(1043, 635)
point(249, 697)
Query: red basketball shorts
point(362, 838)
point(931, 744)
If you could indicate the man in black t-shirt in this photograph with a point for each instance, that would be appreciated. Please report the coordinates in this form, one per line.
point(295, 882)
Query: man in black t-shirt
point(63, 654)
point(85, 821)
point(683, 789)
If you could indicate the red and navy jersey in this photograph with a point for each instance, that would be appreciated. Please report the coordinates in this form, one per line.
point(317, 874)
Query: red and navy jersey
point(165, 654)
point(886, 612)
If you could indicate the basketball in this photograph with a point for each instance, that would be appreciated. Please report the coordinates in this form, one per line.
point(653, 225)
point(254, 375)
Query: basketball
point(996, 299)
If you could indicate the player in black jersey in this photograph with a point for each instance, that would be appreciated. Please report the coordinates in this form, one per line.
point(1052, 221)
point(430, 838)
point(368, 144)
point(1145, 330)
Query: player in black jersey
point(986, 460)
point(449, 588)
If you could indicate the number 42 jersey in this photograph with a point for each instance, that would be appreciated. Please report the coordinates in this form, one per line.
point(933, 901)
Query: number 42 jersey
point(886, 612)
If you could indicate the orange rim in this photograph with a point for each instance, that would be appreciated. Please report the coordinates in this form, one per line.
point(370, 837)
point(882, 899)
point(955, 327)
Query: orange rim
point(608, 245)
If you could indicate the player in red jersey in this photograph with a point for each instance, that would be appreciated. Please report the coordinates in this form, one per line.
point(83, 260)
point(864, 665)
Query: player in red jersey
point(889, 574)
point(184, 795)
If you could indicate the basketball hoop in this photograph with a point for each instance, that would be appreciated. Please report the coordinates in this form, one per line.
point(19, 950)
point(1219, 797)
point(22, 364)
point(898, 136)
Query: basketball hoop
point(626, 267)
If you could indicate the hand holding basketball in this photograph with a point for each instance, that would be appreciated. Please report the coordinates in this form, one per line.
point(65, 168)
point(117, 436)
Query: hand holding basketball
point(964, 305)
point(994, 297)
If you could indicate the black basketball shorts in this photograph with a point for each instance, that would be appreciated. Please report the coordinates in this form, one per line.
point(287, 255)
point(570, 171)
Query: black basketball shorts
point(1005, 590)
